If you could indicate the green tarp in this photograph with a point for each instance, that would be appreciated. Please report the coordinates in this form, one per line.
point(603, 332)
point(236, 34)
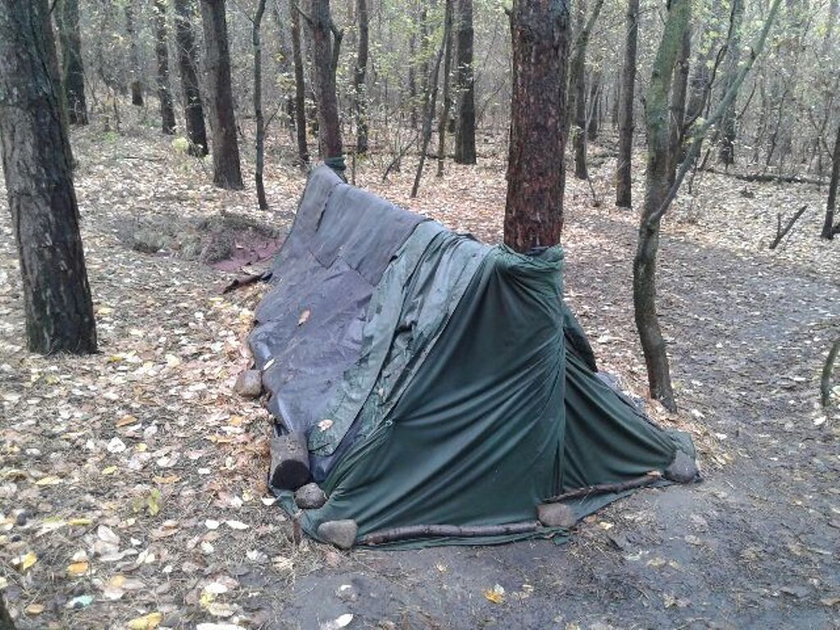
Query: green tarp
point(456, 387)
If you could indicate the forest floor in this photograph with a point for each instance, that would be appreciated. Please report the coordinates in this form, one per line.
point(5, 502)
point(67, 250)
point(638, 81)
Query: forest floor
point(132, 482)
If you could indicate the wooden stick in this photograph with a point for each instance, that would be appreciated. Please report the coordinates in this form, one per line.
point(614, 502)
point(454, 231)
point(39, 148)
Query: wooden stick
point(780, 234)
point(825, 379)
point(607, 488)
point(437, 531)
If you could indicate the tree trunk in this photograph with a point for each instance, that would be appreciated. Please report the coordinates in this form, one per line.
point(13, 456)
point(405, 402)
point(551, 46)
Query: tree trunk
point(624, 179)
point(323, 53)
point(447, 98)
point(258, 112)
point(188, 66)
point(429, 103)
point(359, 90)
point(677, 108)
point(300, 86)
point(167, 113)
point(535, 172)
point(226, 173)
point(134, 54)
point(39, 185)
point(829, 228)
point(726, 152)
point(73, 72)
point(465, 84)
point(593, 115)
point(656, 191)
point(6, 622)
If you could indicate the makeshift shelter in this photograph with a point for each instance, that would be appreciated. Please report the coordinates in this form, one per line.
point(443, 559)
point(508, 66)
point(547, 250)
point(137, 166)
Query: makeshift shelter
point(439, 387)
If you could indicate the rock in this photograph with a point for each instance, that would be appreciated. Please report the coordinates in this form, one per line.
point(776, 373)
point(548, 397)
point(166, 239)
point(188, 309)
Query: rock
point(556, 515)
point(289, 461)
point(682, 470)
point(249, 384)
point(341, 533)
point(347, 593)
point(310, 497)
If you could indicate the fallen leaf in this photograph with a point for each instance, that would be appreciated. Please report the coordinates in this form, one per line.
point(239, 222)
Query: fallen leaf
point(78, 568)
point(82, 601)
point(239, 525)
point(304, 316)
point(34, 609)
point(146, 622)
point(77, 522)
point(126, 420)
point(339, 622)
point(107, 535)
point(25, 561)
point(218, 626)
point(495, 594)
point(830, 601)
point(48, 481)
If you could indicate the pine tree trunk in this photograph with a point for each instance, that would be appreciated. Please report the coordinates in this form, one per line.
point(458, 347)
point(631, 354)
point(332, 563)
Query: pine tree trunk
point(443, 121)
point(134, 54)
point(656, 192)
point(258, 112)
point(188, 66)
point(300, 86)
point(726, 152)
point(167, 113)
point(39, 185)
point(73, 72)
point(323, 53)
point(359, 90)
point(226, 171)
point(535, 172)
point(829, 228)
point(465, 84)
point(624, 178)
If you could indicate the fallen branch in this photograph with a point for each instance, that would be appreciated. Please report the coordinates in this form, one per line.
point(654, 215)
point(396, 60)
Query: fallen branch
point(607, 488)
point(238, 283)
point(436, 531)
point(766, 177)
point(825, 380)
point(781, 233)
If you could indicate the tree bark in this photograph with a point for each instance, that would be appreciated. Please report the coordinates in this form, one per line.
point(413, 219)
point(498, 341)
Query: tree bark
point(593, 114)
point(258, 112)
point(678, 97)
point(624, 179)
point(167, 113)
point(829, 228)
point(6, 622)
point(73, 72)
point(359, 89)
point(134, 54)
point(188, 66)
point(443, 121)
point(300, 86)
point(726, 152)
point(226, 172)
point(465, 84)
point(535, 172)
point(323, 53)
point(39, 184)
point(429, 101)
point(656, 191)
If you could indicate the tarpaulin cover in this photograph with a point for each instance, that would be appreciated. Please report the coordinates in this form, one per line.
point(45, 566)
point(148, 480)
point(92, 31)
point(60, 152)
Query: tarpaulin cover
point(438, 380)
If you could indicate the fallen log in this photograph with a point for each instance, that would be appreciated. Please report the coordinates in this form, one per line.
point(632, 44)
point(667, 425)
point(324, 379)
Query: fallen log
point(766, 177)
point(437, 531)
point(607, 488)
point(781, 233)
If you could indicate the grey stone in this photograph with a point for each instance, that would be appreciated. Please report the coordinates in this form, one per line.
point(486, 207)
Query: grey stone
point(340, 533)
point(556, 515)
point(347, 593)
point(249, 384)
point(310, 497)
point(682, 470)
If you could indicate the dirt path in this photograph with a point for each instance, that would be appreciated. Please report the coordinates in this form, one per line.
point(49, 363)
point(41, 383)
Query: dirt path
point(757, 544)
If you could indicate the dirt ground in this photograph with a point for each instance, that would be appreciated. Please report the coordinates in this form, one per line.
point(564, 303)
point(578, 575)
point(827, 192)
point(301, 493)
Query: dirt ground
point(132, 486)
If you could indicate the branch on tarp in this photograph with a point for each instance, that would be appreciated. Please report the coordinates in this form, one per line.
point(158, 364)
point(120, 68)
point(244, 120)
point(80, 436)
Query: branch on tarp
point(439, 531)
point(608, 488)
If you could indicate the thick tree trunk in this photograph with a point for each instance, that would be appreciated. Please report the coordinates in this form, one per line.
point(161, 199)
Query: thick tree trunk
point(323, 53)
point(677, 108)
point(134, 54)
point(443, 121)
point(624, 178)
point(829, 228)
point(359, 89)
point(258, 112)
point(535, 173)
point(226, 173)
point(300, 86)
point(726, 152)
point(465, 84)
point(73, 72)
point(167, 113)
point(656, 192)
point(188, 66)
point(39, 185)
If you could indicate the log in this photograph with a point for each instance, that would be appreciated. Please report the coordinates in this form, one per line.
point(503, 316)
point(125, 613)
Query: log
point(289, 461)
point(607, 488)
point(766, 177)
point(438, 531)
point(781, 233)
